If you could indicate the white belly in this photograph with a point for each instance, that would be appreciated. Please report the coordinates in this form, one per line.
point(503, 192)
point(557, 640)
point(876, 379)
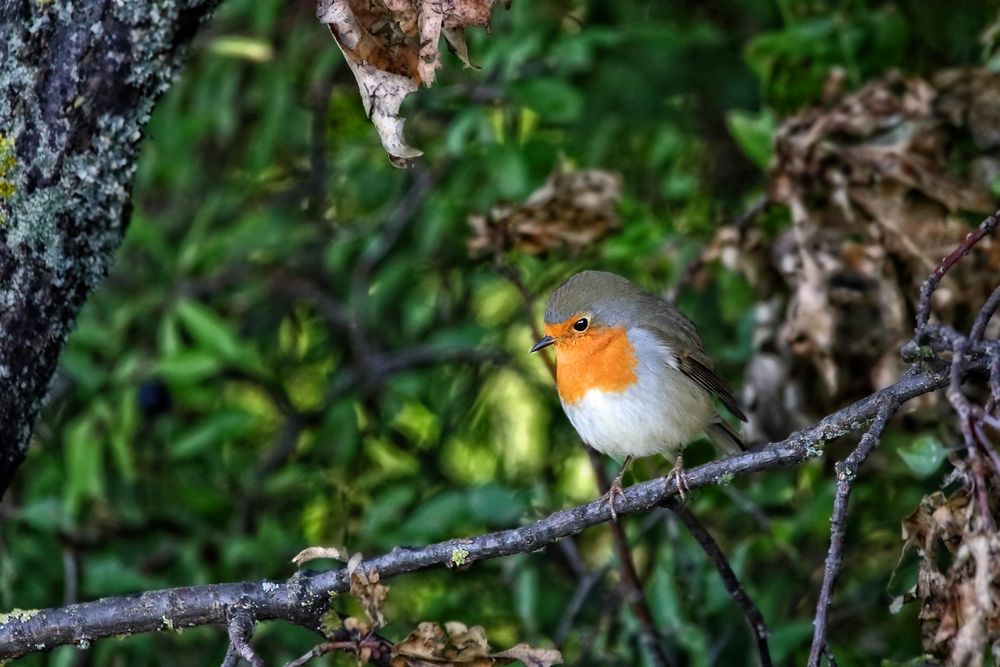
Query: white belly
point(660, 413)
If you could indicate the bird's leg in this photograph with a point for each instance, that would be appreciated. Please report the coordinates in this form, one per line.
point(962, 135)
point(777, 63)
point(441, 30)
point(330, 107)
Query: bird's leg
point(616, 489)
point(680, 478)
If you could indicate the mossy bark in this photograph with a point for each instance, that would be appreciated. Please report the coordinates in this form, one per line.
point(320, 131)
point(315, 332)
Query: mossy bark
point(78, 80)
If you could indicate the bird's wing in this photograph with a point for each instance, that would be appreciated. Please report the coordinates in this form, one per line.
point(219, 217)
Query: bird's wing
point(703, 374)
point(679, 334)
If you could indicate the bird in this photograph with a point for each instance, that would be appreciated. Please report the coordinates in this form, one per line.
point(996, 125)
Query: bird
point(632, 374)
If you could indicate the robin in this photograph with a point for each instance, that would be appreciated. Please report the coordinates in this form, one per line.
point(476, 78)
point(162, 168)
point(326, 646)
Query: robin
point(632, 374)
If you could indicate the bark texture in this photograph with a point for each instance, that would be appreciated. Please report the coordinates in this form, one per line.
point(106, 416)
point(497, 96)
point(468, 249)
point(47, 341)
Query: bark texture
point(78, 80)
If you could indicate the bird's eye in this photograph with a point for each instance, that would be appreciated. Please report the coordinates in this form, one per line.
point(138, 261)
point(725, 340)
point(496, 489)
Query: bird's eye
point(581, 324)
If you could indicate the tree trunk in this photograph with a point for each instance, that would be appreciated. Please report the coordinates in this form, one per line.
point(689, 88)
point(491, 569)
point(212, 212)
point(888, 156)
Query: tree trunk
point(78, 80)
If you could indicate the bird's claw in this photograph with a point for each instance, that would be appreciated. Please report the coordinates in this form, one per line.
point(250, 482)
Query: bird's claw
point(680, 479)
point(609, 497)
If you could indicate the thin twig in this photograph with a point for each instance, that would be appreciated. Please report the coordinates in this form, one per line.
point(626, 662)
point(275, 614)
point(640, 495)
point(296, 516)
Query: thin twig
point(318, 650)
point(634, 594)
point(586, 586)
point(984, 316)
point(932, 281)
point(755, 619)
point(994, 357)
point(967, 420)
point(240, 626)
point(847, 472)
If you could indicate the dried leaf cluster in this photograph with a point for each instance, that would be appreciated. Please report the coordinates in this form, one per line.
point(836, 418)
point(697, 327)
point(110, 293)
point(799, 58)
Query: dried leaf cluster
point(427, 646)
point(959, 578)
point(456, 644)
point(572, 210)
point(391, 47)
point(876, 183)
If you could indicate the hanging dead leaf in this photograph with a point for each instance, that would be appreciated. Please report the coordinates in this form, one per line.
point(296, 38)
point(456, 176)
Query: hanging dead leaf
point(392, 47)
point(366, 588)
point(572, 210)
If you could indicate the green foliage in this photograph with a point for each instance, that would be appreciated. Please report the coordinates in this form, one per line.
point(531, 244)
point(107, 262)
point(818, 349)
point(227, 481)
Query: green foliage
point(210, 418)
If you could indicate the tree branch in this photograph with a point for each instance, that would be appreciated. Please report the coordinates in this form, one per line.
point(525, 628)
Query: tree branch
point(758, 627)
point(847, 473)
point(76, 90)
point(303, 598)
point(240, 630)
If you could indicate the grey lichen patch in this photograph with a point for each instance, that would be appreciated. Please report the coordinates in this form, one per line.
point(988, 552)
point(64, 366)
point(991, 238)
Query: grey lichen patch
point(814, 449)
point(78, 81)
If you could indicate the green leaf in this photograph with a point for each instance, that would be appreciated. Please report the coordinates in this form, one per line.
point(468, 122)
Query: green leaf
point(123, 429)
point(493, 504)
point(923, 455)
point(754, 134)
point(214, 431)
point(435, 518)
point(208, 329)
point(188, 366)
point(84, 463)
point(553, 100)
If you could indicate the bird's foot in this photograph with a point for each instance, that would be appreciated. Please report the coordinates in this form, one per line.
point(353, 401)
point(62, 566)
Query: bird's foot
point(616, 489)
point(680, 478)
point(609, 496)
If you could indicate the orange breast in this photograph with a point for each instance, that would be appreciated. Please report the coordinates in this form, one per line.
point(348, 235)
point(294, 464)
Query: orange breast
point(602, 359)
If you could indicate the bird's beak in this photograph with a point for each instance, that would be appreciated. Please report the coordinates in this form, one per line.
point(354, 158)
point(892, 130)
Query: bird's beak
point(542, 343)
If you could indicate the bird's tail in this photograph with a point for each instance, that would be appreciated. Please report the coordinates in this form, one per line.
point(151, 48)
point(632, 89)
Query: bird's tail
point(726, 438)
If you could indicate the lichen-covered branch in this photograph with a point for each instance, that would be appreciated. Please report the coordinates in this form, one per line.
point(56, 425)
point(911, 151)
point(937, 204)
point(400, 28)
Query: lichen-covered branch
point(304, 598)
point(78, 80)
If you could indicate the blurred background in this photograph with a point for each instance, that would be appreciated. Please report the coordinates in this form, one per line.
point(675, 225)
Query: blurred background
point(301, 344)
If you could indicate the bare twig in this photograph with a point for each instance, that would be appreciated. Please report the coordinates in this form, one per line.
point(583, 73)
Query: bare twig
point(932, 281)
point(984, 316)
point(968, 420)
point(634, 594)
point(994, 357)
point(758, 627)
point(304, 598)
point(847, 472)
point(588, 583)
point(317, 651)
point(240, 625)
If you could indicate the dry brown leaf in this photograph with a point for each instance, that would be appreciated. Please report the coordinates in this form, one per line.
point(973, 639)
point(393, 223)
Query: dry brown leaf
point(460, 646)
point(314, 553)
point(392, 46)
point(877, 183)
point(958, 582)
point(529, 656)
point(571, 210)
point(366, 588)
